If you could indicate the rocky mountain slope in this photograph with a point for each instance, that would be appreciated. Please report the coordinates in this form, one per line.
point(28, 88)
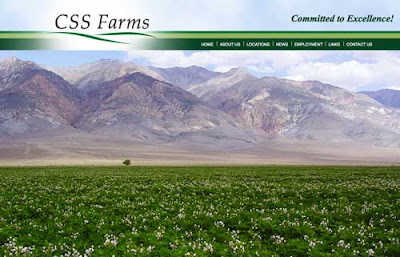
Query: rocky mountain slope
point(88, 76)
point(144, 107)
point(33, 99)
point(111, 98)
point(218, 83)
point(304, 110)
point(189, 105)
point(185, 77)
point(387, 97)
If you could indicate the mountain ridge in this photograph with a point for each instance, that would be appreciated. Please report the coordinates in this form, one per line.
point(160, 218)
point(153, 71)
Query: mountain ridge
point(387, 97)
point(192, 104)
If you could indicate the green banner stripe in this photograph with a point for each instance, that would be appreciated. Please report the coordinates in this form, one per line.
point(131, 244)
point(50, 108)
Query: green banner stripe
point(277, 35)
point(272, 31)
point(26, 44)
point(205, 40)
point(272, 44)
point(216, 34)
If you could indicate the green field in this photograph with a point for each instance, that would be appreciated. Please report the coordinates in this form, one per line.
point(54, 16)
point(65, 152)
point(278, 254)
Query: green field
point(200, 211)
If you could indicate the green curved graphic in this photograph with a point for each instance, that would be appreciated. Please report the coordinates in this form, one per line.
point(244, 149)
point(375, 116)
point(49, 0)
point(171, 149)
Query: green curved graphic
point(90, 36)
point(126, 33)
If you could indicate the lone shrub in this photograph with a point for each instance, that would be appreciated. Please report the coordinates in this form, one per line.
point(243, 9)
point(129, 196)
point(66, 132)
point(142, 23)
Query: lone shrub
point(127, 162)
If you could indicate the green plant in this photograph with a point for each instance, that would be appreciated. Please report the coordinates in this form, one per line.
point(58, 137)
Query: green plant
point(203, 211)
point(127, 162)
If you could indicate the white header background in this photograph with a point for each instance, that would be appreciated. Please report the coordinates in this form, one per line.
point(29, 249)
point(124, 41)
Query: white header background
point(201, 15)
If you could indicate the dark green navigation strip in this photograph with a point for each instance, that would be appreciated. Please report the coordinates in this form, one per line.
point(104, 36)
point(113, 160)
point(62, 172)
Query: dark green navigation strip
point(202, 40)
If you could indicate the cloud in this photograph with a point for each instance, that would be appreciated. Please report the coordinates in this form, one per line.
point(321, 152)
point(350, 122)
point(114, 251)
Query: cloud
point(352, 75)
point(257, 61)
point(371, 56)
point(351, 70)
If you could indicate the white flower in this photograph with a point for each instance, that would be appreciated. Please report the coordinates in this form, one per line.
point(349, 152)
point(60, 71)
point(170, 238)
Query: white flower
point(150, 248)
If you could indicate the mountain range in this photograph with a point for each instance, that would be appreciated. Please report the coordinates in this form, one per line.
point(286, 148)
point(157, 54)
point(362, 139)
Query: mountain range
point(387, 97)
point(185, 108)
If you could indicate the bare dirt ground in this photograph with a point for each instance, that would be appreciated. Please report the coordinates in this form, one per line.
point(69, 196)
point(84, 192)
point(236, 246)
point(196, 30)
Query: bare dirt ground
point(84, 149)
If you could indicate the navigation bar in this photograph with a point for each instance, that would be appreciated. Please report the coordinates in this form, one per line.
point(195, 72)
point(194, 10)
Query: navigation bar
point(277, 44)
